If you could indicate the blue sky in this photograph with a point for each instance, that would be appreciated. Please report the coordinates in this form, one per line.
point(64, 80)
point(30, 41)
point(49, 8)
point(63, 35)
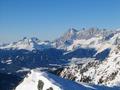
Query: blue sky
point(48, 19)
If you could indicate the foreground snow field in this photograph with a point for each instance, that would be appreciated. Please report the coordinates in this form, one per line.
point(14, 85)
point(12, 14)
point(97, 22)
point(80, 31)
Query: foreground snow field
point(38, 80)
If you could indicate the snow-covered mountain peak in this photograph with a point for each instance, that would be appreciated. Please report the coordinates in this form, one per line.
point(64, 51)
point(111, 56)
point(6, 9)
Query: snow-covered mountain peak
point(70, 34)
point(72, 31)
point(115, 40)
point(93, 37)
point(28, 44)
point(29, 40)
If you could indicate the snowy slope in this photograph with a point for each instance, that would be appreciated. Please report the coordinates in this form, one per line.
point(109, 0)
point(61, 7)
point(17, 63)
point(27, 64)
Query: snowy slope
point(109, 71)
point(106, 72)
point(38, 80)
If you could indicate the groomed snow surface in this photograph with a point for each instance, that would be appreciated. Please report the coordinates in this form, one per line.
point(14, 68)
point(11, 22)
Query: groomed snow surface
point(48, 81)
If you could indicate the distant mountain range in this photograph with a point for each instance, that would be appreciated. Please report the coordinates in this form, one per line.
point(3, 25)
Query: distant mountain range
point(71, 40)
